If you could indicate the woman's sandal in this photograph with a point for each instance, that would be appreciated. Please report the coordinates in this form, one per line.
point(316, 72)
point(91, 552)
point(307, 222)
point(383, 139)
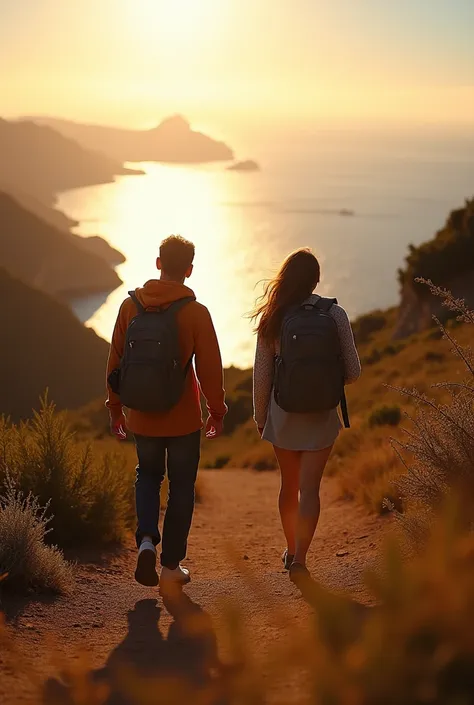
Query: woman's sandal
point(287, 559)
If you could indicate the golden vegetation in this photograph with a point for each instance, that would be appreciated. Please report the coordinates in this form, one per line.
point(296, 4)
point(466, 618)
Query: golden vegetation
point(88, 492)
point(26, 561)
point(57, 490)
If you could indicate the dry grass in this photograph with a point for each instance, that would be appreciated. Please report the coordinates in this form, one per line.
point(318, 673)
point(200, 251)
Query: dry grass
point(26, 561)
point(89, 493)
point(438, 451)
point(370, 478)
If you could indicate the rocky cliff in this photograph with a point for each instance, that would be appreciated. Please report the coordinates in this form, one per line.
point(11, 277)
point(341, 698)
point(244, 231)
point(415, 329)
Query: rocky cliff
point(448, 260)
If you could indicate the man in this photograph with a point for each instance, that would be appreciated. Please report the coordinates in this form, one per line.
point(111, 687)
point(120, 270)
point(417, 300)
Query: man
point(170, 439)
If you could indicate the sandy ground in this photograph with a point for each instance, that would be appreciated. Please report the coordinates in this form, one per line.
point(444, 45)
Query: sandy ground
point(234, 556)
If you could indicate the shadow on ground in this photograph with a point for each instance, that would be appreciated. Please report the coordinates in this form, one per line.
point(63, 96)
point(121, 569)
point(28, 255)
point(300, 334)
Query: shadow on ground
point(339, 617)
point(149, 667)
point(185, 661)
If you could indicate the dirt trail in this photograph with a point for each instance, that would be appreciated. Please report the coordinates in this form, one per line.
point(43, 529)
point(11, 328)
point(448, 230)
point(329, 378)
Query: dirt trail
point(236, 532)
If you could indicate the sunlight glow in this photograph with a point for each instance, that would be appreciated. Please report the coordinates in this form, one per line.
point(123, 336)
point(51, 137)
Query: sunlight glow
point(177, 20)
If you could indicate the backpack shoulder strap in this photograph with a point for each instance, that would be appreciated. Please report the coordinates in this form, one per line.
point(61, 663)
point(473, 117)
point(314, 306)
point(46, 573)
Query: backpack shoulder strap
point(140, 307)
point(345, 411)
point(172, 310)
point(176, 306)
point(324, 304)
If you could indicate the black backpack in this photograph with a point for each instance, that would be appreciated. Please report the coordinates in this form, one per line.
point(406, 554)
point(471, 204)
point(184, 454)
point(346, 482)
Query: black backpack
point(151, 377)
point(309, 371)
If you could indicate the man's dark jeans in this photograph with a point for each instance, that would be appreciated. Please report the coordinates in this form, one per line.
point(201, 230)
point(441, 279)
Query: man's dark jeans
point(180, 456)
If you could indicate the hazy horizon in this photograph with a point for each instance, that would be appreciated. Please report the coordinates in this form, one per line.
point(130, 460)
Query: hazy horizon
point(132, 62)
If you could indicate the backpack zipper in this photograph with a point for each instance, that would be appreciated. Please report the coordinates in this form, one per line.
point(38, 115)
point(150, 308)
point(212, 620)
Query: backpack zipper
point(131, 343)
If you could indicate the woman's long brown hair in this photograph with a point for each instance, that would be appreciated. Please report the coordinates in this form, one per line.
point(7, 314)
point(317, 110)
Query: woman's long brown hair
point(295, 282)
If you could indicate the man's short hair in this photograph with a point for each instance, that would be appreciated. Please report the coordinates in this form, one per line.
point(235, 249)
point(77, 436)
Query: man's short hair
point(177, 255)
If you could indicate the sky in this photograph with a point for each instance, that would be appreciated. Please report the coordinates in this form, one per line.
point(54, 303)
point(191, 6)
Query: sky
point(131, 62)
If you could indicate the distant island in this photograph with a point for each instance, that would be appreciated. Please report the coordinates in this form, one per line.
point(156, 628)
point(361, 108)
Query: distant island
point(39, 161)
point(173, 141)
point(245, 165)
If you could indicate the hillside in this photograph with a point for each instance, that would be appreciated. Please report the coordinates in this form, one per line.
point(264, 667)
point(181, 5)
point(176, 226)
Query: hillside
point(50, 215)
point(173, 140)
point(49, 259)
point(38, 160)
point(44, 346)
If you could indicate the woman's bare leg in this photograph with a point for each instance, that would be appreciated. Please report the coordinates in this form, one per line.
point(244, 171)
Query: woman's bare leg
point(312, 466)
point(289, 462)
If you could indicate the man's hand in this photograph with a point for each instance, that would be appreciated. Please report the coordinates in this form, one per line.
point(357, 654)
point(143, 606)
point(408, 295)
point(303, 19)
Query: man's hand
point(214, 427)
point(118, 428)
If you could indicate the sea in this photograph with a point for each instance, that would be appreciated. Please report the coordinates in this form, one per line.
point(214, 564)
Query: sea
point(357, 198)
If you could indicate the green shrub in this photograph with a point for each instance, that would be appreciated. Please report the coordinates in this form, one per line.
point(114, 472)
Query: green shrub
point(26, 561)
point(375, 355)
point(262, 464)
point(385, 416)
point(89, 495)
point(432, 356)
point(221, 461)
point(393, 349)
point(449, 254)
point(372, 358)
point(366, 325)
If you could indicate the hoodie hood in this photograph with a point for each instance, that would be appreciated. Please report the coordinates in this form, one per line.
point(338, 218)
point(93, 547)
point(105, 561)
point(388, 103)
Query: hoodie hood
point(157, 292)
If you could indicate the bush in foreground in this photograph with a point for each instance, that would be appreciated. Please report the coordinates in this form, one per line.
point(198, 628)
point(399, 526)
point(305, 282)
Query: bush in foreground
point(89, 495)
point(439, 452)
point(385, 416)
point(25, 559)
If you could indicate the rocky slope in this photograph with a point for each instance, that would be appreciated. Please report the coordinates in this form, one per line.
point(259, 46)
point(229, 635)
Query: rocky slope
point(49, 259)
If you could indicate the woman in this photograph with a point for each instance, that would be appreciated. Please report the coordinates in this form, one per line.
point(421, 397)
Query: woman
point(302, 441)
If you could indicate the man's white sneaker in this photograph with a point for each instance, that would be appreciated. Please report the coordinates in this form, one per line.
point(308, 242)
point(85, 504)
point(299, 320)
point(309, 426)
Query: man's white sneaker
point(145, 573)
point(178, 576)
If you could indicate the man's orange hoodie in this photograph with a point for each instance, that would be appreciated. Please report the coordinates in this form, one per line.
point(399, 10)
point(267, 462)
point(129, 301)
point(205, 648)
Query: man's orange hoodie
point(196, 335)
